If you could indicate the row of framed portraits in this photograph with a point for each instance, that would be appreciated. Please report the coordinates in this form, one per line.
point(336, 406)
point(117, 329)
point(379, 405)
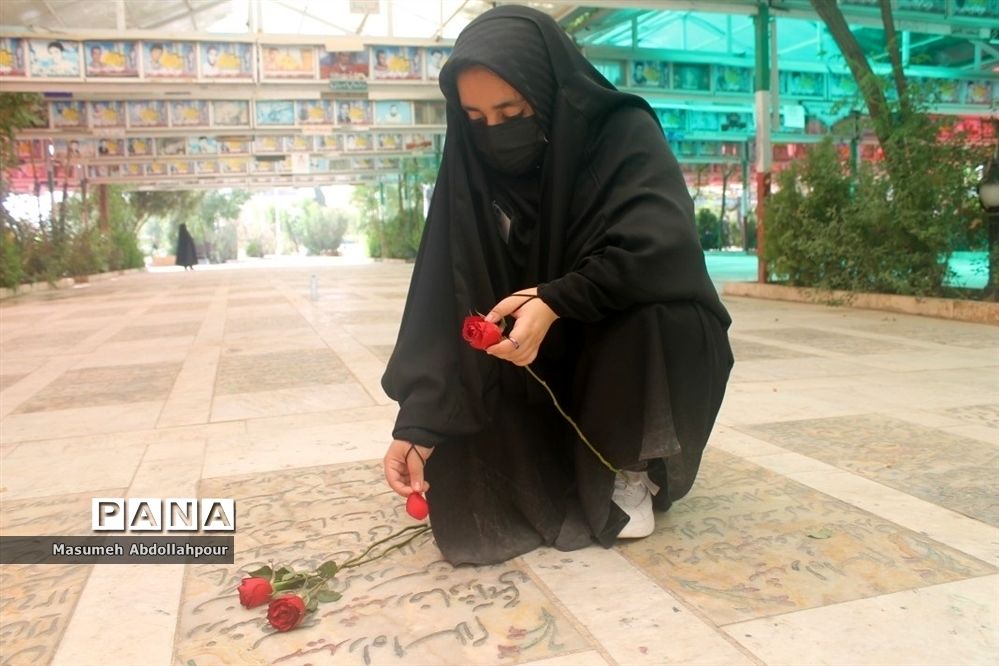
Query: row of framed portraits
point(238, 165)
point(227, 114)
point(708, 78)
point(105, 149)
point(976, 8)
point(63, 59)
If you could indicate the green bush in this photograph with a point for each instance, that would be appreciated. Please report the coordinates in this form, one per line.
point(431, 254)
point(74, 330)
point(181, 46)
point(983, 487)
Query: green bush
point(11, 269)
point(707, 229)
point(254, 248)
point(889, 229)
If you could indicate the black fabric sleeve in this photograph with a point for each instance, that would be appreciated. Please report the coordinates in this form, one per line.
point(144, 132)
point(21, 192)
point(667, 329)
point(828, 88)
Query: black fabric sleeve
point(634, 240)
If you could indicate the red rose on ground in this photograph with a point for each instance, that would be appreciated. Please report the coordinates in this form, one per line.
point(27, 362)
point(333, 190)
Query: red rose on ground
point(254, 592)
point(285, 613)
point(479, 333)
point(417, 506)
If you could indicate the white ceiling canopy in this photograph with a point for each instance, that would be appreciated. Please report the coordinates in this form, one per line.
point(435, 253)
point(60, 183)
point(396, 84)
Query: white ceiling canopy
point(419, 19)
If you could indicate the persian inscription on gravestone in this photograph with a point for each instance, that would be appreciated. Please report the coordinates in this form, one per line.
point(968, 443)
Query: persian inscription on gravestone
point(410, 607)
point(748, 543)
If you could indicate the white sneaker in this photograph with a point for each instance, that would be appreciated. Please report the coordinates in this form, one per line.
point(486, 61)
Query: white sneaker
point(633, 493)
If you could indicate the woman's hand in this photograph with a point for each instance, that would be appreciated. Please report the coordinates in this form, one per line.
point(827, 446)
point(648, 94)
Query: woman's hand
point(404, 468)
point(533, 319)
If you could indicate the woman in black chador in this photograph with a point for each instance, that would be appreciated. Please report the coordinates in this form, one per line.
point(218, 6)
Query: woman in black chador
point(552, 184)
point(187, 256)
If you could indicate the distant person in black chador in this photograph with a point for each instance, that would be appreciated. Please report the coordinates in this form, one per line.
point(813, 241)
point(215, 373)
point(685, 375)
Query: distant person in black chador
point(187, 256)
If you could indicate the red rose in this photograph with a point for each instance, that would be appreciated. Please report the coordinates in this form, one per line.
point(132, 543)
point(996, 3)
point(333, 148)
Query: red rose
point(254, 591)
point(417, 506)
point(479, 333)
point(285, 613)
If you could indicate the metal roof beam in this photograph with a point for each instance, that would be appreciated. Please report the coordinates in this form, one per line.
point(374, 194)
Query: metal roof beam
point(177, 17)
point(305, 14)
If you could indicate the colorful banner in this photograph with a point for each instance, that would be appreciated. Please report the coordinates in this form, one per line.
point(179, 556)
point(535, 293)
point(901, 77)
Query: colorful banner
point(354, 112)
point(12, 57)
point(344, 66)
point(169, 60)
point(149, 113)
point(394, 112)
point(649, 74)
point(687, 76)
point(107, 114)
point(436, 58)
point(231, 113)
point(111, 59)
point(287, 62)
point(314, 112)
point(396, 63)
point(226, 60)
point(54, 59)
point(189, 113)
point(69, 115)
point(275, 112)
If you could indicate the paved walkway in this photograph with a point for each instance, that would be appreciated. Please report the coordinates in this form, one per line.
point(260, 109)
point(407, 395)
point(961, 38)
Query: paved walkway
point(846, 512)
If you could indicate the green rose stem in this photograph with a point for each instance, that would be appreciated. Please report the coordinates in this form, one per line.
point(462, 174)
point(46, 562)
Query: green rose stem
point(359, 560)
point(571, 422)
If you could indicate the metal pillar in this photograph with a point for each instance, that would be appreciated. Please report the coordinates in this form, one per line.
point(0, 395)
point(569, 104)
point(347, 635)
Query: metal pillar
point(764, 148)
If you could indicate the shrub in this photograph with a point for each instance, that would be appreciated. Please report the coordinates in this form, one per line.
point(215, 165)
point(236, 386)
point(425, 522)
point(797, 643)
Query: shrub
point(254, 248)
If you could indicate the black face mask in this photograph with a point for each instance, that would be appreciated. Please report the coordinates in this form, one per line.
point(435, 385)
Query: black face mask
point(513, 147)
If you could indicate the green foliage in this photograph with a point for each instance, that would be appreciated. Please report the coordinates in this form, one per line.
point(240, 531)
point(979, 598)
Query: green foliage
point(176, 205)
point(890, 229)
point(214, 222)
point(391, 212)
point(17, 111)
point(11, 268)
point(255, 248)
point(707, 228)
point(318, 228)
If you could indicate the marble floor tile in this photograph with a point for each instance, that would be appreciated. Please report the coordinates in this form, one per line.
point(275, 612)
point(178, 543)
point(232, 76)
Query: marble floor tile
point(80, 422)
point(265, 323)
point(647, 625)
point(952, 471)
point(183, 329)
point(123, 618)
point(40, 600)
point(968, 535)
point(747, 543)
point(585, 658)
point(302, 445)
point(745, 350)
point(951, 623)
point(65, 466)
point(298, 400)
point(252, 373)
point(409, 608)
point(825, 340)
point(100, 386)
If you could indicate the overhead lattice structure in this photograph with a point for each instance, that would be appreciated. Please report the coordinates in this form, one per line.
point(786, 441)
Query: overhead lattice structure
point(209, 93)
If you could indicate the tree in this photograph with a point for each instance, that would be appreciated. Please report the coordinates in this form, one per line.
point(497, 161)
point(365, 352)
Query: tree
point(214, 222)
point(173, 204)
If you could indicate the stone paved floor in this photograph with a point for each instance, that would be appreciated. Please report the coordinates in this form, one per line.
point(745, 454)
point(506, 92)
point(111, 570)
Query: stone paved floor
point(846, 512)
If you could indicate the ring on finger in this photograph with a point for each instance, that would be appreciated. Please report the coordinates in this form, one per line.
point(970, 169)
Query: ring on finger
point(516, 345)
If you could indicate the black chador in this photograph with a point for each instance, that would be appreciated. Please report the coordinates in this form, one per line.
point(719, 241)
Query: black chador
point(604, 227)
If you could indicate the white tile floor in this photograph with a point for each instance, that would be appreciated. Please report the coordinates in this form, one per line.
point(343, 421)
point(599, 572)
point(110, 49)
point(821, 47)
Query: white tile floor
point(790, 560)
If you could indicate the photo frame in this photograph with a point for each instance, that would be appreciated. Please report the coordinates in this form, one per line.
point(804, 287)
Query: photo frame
point(169, 60)
point(279, 62)
point(12, 59)
point(230, 61)
point(111, 59)
point(105, 114)
point(231, 113)
point(54, 59)
point(344, 66)
point(396, 63)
